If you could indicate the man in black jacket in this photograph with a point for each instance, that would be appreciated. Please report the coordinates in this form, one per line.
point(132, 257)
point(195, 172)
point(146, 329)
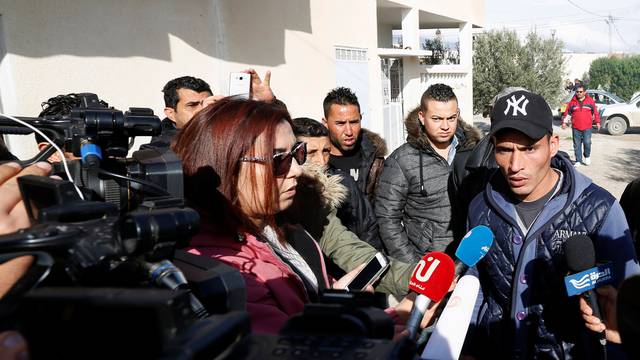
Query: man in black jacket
point(183, 98)
point(630, 202)
point(412, 203)
point(186, 95)
point(354, 150)
point(355, 212)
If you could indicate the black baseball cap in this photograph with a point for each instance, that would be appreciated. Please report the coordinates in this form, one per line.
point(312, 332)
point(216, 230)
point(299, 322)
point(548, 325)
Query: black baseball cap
point(524, 111)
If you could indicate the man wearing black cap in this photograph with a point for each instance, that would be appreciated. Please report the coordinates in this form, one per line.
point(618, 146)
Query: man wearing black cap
point(533, 203)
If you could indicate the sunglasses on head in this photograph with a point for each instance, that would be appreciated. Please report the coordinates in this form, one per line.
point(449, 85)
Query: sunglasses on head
point(282, 161)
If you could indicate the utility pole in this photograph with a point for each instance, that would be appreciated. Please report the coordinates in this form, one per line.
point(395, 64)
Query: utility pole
point(609, 21)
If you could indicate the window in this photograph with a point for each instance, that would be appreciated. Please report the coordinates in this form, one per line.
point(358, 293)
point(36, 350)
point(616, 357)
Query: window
point(351, 54)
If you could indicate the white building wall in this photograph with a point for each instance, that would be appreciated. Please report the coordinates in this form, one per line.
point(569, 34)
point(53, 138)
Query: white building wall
point(126, 50)
point(576, 64)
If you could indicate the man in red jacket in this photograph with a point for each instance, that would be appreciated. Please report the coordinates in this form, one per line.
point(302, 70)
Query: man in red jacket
point(582, 111)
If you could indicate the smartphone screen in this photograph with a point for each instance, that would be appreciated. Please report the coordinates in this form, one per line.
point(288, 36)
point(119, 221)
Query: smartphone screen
point(371, 272)
point(239, 84)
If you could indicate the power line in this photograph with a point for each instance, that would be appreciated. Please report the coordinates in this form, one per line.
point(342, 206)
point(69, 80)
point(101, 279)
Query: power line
point(583, 9)
point(620, 35)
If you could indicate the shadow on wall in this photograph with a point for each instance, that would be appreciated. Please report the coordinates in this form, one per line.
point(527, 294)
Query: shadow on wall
point(626, 166)
point(244, 31)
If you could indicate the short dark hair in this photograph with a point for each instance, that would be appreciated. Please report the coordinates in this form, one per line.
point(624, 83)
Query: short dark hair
point(339, 96)
point(437, 92)
point(581, 86)
point(304, 126)
point(170, 90)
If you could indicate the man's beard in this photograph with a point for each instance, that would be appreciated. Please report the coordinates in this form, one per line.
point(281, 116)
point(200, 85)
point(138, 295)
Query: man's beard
point(345, 151)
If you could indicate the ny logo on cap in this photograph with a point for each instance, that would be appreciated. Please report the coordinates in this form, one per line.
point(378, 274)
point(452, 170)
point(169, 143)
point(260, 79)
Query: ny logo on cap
point(514, 104)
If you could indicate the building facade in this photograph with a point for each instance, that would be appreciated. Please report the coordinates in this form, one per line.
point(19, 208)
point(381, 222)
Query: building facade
point(126, 50)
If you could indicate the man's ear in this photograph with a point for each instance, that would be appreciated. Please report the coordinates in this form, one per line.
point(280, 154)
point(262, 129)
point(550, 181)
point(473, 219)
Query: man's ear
point(421, 117)
point(324, 122)
point(170, 113)
point(554, 144)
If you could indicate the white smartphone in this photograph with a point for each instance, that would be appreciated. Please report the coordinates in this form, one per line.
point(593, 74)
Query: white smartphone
point(370, 273)
point(239, 84)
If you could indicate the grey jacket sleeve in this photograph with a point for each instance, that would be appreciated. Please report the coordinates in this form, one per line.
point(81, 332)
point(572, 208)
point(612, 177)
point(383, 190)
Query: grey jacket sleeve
point(391, 195)
point(348, 251)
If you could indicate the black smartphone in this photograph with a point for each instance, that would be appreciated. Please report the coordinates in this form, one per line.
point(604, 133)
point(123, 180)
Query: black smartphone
point(370, 273)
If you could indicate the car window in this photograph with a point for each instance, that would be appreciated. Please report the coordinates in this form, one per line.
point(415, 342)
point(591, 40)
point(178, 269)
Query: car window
point(616, 99)
point(597, 98)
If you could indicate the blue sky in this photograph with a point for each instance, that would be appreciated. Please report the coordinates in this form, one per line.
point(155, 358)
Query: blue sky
point(581, 30)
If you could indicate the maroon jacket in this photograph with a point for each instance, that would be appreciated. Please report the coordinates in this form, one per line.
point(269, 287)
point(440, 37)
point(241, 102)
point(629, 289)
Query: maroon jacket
point(274, 291)
point(582, 115)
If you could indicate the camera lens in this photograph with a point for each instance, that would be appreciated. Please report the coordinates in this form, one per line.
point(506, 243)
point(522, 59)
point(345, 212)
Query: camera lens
point(240, 78)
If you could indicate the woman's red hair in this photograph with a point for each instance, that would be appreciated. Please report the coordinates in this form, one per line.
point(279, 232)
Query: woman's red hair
point(213, 142)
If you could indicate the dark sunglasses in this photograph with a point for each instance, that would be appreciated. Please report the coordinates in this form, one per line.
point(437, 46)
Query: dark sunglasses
point(282, 161)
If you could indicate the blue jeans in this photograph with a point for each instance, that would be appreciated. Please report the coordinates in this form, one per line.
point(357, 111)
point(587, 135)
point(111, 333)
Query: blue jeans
point(581, 137)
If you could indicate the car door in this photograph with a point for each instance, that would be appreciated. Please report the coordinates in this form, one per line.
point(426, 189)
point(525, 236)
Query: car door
point(635, 114)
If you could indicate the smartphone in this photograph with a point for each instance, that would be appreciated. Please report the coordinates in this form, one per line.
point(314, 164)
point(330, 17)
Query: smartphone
point(370, 273)
point(239, 84)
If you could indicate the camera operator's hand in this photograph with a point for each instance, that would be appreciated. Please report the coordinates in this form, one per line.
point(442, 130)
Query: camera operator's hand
point(13, 346)
point(13, 215)
point(261, 90)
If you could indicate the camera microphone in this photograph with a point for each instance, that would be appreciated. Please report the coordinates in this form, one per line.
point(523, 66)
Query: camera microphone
point(167, 275)
point(431, 279)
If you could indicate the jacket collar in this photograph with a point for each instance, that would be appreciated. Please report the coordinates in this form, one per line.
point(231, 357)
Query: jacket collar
point(499, 196)
point(372, 144)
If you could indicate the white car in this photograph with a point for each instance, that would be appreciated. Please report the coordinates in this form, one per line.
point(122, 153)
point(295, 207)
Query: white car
point(617, 118)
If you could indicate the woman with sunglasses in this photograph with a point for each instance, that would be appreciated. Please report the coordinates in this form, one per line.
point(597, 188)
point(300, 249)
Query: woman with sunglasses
point(247, 150)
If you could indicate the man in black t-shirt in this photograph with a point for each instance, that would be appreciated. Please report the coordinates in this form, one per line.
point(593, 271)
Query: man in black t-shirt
point(356, 151)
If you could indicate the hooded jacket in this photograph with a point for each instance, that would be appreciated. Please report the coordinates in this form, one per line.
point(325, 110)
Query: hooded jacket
point(414, 214)
point(356, 211)
point(524, 310)
point(373, 149)
point(315, 206)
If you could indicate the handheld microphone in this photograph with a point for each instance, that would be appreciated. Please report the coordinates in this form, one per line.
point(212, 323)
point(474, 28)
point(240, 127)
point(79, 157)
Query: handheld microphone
point(581, 262)
point(473, 247)
point(431, 279)
point(449, 334)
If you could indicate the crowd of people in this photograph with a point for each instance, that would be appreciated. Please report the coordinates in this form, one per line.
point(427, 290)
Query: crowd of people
point(300, 205)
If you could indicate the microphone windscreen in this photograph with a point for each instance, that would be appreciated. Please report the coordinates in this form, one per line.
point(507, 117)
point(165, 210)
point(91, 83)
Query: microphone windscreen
point(475, 245)
point(451, 330)
point(579, 253)
point(433, 275)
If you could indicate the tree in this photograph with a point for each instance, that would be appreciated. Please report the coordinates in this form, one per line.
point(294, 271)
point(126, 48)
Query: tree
point(437, 51)
point(500, 61)
point(619, 76)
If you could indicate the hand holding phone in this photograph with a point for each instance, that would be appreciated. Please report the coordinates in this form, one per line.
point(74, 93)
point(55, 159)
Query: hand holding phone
point(240, 84)
point(370, 273)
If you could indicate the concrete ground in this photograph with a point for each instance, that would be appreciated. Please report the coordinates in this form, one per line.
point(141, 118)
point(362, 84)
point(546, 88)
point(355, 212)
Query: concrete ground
point(615, 160)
